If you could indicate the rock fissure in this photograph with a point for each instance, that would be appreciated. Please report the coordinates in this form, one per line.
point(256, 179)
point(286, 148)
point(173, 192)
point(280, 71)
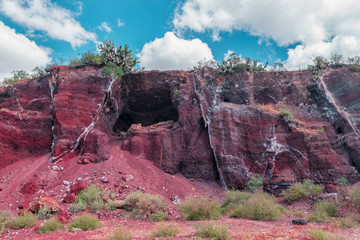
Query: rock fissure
point(81, 139)
point(207, 122)
point(322, 86)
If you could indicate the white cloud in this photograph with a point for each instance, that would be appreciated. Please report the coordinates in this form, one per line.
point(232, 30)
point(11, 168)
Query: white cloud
point(321, 26)
point(228, 54)
point(173, 53)
point(17, 52)
point(42, 15)
point(120, 23)
point(105, 27)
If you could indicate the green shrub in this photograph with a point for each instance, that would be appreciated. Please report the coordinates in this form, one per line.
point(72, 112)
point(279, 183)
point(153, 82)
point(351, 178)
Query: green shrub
point(114, 71)
point(209, 230)
point(51, 225)
point(234, 198)
point(321, 130)
point(122, 234)
point(4, 218)
point(346, 222)
point(326, 206)
point(121, 56)
point(26, 219)
point(235, 63)
point(285, 113)
point(84, 222)
point(159, 216)
point(317, 234)
point(342, 182)
point(199, 208)
point(323, 210)
point(139, 204)
point(165, 230)
point(297, 213)
point(302, 190)
point(320, 62)
point(85, 58)
point(44, 213)
point(355, 197)
point(16, 76)
point(110, 206)
point(318, 216)
point(260, 206)
point(354, 67)
point(91, 197)
point(255, 182)
point(77, 207)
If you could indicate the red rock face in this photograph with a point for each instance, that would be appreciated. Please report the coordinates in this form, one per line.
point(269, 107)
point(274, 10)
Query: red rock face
point(203, 125)
point(25, 120)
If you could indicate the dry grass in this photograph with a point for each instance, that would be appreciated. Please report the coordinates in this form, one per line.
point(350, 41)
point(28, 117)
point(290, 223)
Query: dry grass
point(199, 208)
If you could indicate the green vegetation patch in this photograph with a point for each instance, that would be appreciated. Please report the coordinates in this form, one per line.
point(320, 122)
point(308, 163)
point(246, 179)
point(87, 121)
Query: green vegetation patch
point(210, 230)
point(51, 225)
point(165, 230)
point(84, 222)
point(26, 219)
point(302, 190)
point(199, 208)
point(140, 204)
point(260, 206)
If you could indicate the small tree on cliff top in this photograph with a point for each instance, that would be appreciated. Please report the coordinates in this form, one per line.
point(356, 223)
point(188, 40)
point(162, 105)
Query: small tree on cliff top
point(121, 56)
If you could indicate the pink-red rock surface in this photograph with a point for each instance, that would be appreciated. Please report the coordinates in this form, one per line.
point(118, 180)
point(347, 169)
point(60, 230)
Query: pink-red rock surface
point(203, 125)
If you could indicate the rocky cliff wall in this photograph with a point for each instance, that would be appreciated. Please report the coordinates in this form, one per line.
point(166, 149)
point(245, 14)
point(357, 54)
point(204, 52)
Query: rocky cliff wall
point(202, 124)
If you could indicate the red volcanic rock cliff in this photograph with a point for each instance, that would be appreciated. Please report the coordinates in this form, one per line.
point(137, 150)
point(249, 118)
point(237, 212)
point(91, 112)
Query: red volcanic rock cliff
point(202, 124)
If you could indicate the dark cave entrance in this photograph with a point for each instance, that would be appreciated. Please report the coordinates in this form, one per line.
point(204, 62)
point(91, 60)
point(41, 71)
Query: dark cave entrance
point(146, 108)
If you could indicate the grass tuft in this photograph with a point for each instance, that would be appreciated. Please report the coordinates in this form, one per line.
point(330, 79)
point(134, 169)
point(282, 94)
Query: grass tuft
point(26, 219)
point(317, 234)
point(140, 204)
point(4, 218)
point(51, 225)
point(355, 197)
point(85, 222)
point(165, 230)
point(122, 234)
point(199, 208)
point(285, 113)
point(323, 210)
point(209, 230)
point(346, 222)
point(159, 216)
point(234, 198)
point(260, 206)
point(302, 190)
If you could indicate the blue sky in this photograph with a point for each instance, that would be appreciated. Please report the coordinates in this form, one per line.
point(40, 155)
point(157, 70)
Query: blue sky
point(170, 34)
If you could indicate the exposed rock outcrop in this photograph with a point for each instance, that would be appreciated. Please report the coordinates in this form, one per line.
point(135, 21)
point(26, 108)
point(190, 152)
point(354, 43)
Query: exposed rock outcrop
point(202, 124)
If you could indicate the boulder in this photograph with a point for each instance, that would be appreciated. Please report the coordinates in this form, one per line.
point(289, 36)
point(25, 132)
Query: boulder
point(78, 186)
point(70, 198)
point(64, 216)
point(44, 203)
point(128, 178)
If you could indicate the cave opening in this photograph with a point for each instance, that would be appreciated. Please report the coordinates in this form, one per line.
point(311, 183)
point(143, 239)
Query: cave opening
point(146, 108)
point(339, 130)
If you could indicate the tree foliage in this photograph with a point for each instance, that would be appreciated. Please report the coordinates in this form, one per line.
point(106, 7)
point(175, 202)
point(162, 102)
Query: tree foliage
point(235, 63)
point(121, 56)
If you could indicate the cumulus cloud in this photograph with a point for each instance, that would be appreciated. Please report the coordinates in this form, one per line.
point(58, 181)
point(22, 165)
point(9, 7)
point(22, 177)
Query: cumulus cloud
point(173, 53)
point(17, 52)
point(43, 15)
point(105, 27)
point(315, 27)
point(120, 23)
